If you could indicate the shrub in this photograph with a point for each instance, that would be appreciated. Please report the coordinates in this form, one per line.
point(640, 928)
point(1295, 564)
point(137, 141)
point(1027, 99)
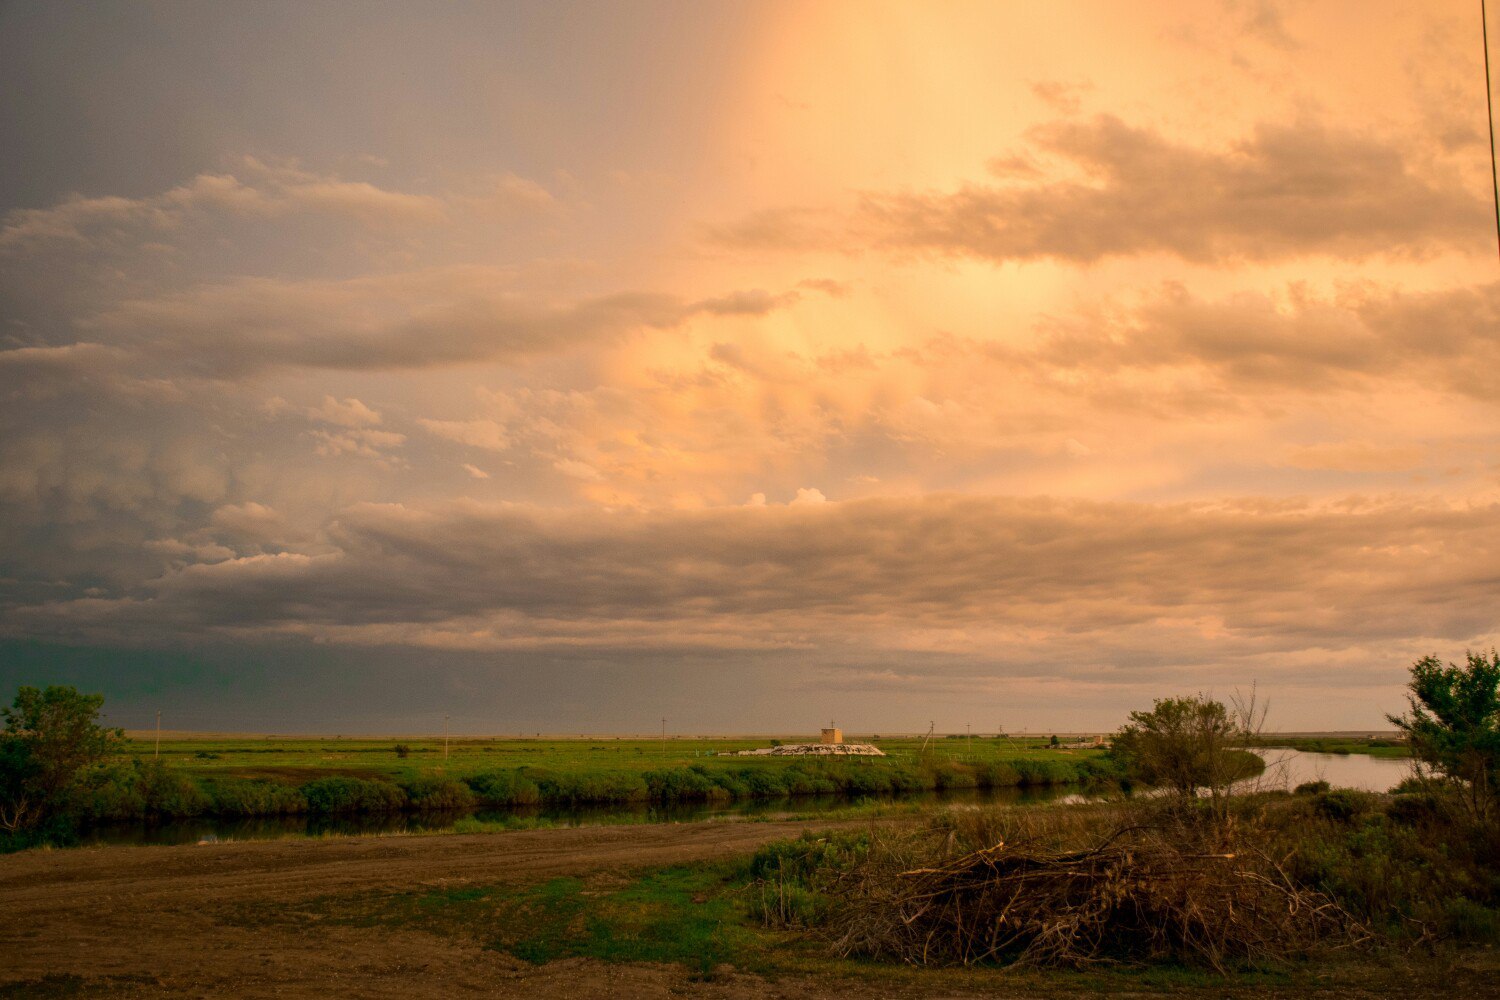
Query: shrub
point(110, 792)
point(1311, 788)
point(438, 793)
point(1340, 805)
point(504, 788)
point(241, 797)
point(680, 785)
point(790, 878)
point(166, 792)
point(572, 789)
point(351, 795)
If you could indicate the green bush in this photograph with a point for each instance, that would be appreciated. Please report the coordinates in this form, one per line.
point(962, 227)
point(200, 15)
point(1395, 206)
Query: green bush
point(504, 788)
point(438, 793)
point(243, 797)
point(680, 785)
point(1341, 805)
point(765, 783)
point(352, 795)
point(588, 788)
point(168, 793)
point(790, 879)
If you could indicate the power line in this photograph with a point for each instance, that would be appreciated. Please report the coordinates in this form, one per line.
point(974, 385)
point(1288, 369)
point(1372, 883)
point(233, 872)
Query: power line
point(1489, 107)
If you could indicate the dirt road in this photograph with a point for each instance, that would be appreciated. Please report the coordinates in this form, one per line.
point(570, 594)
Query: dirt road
point(155, 921)
point(148, 921)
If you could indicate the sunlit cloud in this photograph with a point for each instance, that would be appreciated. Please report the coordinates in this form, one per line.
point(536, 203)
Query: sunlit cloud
point(905, 352)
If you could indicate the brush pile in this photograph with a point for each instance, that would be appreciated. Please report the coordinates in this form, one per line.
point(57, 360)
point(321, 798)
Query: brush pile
point(1133, 899)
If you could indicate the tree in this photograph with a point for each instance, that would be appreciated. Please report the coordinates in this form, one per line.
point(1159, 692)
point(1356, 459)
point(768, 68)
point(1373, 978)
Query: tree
point(1182, 744)
point(1454, 725)
point(50, 737)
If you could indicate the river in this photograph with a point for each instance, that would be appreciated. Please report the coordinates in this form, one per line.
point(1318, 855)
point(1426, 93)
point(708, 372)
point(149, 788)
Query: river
point(1286, 769)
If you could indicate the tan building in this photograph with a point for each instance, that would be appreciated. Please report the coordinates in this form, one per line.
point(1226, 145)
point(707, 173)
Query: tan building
point(834, 736)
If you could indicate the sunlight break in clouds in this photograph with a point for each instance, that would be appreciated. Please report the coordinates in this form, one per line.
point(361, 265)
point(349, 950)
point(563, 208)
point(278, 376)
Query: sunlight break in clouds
point(909, 359)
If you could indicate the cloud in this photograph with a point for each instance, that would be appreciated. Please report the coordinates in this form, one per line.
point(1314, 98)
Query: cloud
point(425, 319)
point(1283, 191)
point(1254, 343)
point(1063, 582)
point(259, 190)
point(344, 413)
point(477, 433)
point(359, 442)
point(475, 471)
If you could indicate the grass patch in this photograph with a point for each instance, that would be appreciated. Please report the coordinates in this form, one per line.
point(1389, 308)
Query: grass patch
point(694, 916)
point(1341, 746)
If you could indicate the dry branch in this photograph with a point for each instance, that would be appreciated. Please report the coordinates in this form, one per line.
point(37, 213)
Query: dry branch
point(1133, 898)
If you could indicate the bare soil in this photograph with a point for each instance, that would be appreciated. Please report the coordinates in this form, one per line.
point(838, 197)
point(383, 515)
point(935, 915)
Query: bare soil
point(160, 921)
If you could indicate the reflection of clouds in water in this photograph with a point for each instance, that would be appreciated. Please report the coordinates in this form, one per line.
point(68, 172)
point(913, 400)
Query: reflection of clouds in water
point(1286, 769)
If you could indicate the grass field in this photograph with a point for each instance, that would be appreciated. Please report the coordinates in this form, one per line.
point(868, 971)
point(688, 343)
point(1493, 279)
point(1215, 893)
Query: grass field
point(1340, 745)
point(300, 759)
point(265, 776)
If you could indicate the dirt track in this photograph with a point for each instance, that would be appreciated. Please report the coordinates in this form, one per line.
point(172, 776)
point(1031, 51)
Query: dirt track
point(145, 920)
point(151, 921)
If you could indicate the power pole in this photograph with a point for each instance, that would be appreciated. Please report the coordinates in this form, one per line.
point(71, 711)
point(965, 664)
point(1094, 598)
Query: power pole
point(445, 737)
point(158, 733)
point(1489, 107)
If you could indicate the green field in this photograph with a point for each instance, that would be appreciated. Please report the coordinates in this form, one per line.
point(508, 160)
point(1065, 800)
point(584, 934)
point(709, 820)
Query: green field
point(300, 759)
point(1339, 745)
point(259, 776)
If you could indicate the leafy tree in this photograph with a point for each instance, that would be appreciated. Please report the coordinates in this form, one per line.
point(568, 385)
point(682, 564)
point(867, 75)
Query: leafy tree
point(51, 736)
point(1454, 725)
point(1182, 744)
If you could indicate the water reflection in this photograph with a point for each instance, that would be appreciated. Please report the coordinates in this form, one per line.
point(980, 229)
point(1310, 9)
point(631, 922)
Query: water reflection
point(1286, 769)
point(208, 829)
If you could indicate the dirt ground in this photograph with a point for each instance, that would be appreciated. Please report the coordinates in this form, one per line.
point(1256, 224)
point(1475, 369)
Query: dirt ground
point(153, 921)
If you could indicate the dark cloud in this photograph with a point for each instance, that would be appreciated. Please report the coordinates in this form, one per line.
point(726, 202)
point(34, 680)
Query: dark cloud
point(403, 321)
point(1286, 190)
point(1050, 576)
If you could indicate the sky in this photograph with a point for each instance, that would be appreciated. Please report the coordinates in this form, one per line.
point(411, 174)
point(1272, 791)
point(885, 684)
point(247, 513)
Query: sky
point(566, 366)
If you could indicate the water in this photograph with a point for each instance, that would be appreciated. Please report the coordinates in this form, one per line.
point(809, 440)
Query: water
point(1286, 769)
point(210, 829)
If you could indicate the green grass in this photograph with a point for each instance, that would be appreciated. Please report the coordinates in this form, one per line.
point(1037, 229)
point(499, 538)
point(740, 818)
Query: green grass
point(1340, 745)
point(271, 775)
point(303, 759)
point(694, 916)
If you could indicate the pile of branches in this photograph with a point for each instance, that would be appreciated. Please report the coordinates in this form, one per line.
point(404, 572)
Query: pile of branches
point(1132, 899)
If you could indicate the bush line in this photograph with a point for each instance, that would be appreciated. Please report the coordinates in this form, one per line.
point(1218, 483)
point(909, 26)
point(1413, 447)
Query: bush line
point(134, 790)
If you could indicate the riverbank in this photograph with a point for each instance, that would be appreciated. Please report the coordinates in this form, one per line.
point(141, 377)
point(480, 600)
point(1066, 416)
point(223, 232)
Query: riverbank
point(333, 780)
point(1374, 746)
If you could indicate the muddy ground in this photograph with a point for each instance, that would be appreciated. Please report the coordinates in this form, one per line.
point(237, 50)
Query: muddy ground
point(155, 921)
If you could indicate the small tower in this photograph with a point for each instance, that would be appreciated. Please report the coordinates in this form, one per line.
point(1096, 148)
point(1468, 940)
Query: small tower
point(832, 735)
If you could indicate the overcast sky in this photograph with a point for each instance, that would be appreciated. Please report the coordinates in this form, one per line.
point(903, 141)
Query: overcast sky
point(560, 366)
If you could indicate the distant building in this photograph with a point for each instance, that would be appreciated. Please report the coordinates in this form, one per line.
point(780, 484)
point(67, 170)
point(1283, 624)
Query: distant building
point(832, 736)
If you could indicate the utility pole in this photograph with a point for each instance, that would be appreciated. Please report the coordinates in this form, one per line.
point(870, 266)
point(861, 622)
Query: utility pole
point(663, 737)
point(445, 737)
point(1489, 107)
point(158, 733)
